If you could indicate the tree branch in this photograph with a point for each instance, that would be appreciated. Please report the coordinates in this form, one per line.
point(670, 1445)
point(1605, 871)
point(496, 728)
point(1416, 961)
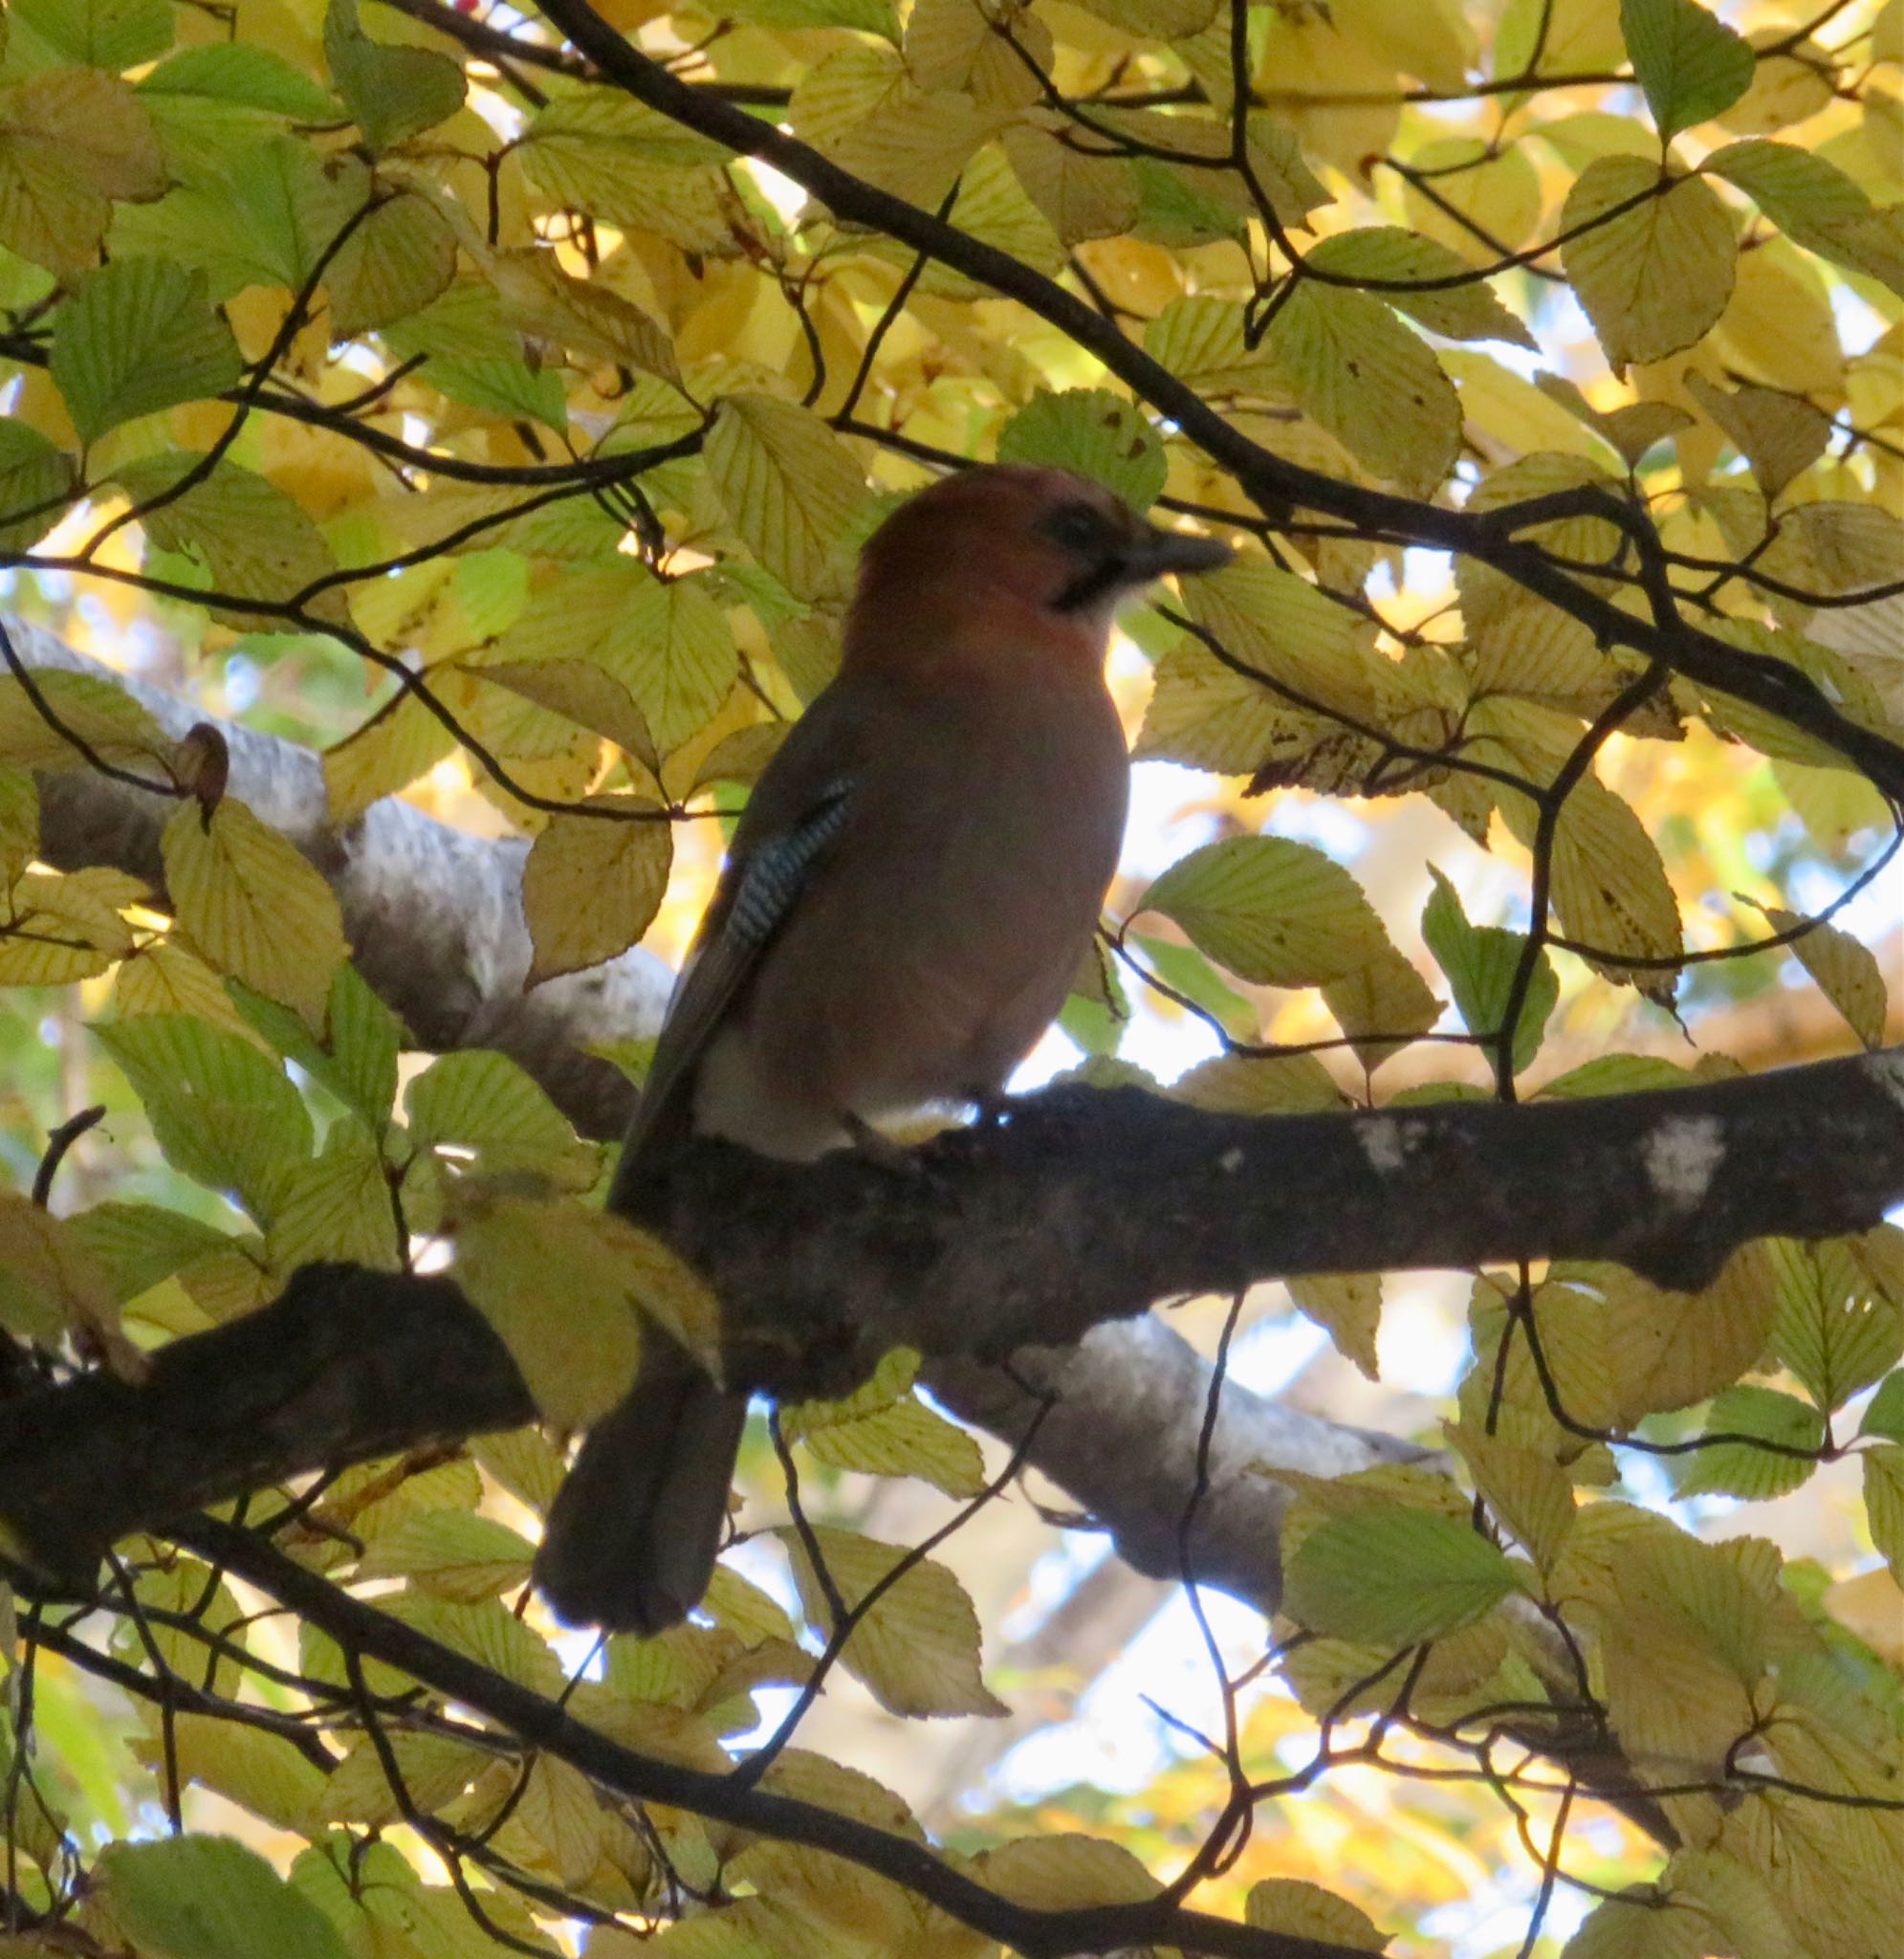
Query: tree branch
point(1492, 538)
point(543, 1723)
point(1082, 1208)
point(433, 914)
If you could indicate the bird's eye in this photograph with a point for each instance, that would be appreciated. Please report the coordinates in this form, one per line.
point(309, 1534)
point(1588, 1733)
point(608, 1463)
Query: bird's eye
point(1077, 527)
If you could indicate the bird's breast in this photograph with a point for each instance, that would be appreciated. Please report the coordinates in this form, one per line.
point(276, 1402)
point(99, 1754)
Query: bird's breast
point(931, 950)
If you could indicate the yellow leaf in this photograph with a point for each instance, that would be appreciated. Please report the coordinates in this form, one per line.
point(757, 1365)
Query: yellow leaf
point(19, 824)
point(253, 906)
point(1847, 972)
point(1305, 1911)
point(1527, 1491)
point(1610, 888)
point(1778, 436)
point(71, 141)
point(1477, 201)
point(561, 1812)
point(387, 753)
point(915, 142)
point(1787, 86)
point(1655, 276)
point(1066, 1871)
point(1360, 373)
point(1084, 193)
point(954, 44)
point(1294, 634)
point(1270, 1084)
point(1347, 1306)
point(1381, 1004)
point(51, 1283)
point(57, 930)
point(592, 886)
point(453, 1553)
point(673, 650)
point(916, 1648)
point(1274, 912)
point(1778, 327)
point(577, 1356)
point(100, 714)
point(261, 1771)
point(789, 485)
point(431, 1770)
point(586, 693)
point(1673, 1349)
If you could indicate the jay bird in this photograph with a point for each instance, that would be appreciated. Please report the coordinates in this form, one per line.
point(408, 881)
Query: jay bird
point(906, 904)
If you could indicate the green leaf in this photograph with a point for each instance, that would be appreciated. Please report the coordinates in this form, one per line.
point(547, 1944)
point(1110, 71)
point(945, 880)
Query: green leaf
point(452, 1553)
point(209, 1898)
point(1884, 1503)
point(1480, 962)
point(1186, 971)
point(391, 91)
point(243, 73)
point(255, 539)
point(1377, 387)
point(1657, 275)
point(1884, 1414)
point(365, 1038)
point(1275, 912)
point(1834, 1330)
point(37, 482)
point(1391, 1578)
point(140, 1245)
point(1386, 254)
point(338, 1206)
point(510, 388)
point(1690, 63)
point(399, 259)
point(1738, 1469)
point(99, 33)
point(790, 487)
point(139, 335)
point(1093, 431)
point(476, 1100)
point(223, 1112)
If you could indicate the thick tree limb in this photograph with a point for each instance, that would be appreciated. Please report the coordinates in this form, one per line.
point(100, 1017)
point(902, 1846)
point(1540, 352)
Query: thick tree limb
point(1082, 1208)
point(433, 914)
point(435, 917)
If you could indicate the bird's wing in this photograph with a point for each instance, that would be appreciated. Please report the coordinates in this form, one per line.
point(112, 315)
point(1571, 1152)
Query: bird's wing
point(798, 808)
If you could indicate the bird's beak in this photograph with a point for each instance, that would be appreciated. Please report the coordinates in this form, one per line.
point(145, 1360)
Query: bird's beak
point(1155, 552)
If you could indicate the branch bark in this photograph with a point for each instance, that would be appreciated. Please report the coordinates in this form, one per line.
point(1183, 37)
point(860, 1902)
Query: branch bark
point(433, 914)
point(1081, 1208)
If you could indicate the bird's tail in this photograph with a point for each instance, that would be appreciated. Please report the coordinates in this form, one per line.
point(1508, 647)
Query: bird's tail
point(633, 1532)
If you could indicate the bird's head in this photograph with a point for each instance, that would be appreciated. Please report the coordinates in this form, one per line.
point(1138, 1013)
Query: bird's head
point(1036, 559)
